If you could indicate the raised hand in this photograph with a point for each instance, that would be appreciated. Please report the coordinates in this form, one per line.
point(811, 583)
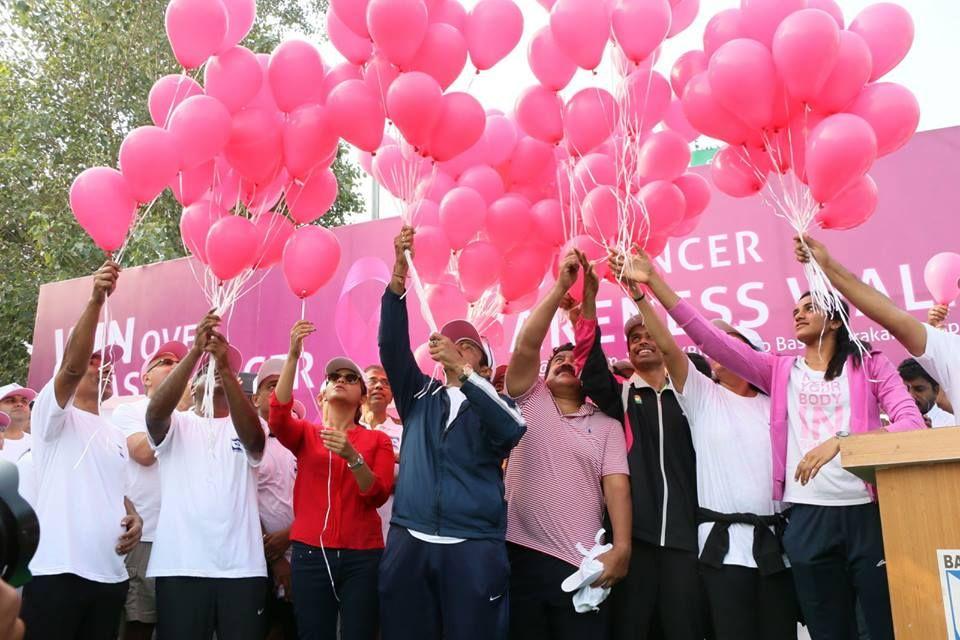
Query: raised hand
point(569, 269)
point(591, 283)
point(404, 242)
point(635, 267)
point(298, 333)
point(210, 322)
point(806, 248)
point(105, 281)
point(937, 315)
point(219, 349)
point(445, 352)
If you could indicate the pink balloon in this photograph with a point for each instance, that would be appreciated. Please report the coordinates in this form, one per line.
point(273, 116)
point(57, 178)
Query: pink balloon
point(683, 13)
point(499, 139)
point(340, 73)
point(600, 212)
point(357, 114)
point(442, 54)
point(591, 171)
point(446, 302)
point(233, 77)
point(687, 65)
point(432, 253)
point(589, 118)
point(840, 149)
point(353, 13)
point(547, 216)
point(264, 98)
point(479, 268)
point(200, 126)
point(308, 138)
point(356, 49)
point(704, 112)
point(696, 194)
point(449, 12)
point(664, 205)
point(195, 223)
point(459, 127)
point(942, 277)
point(686, 227)
point(190, 185)
point(552, 67)
point(255, 148)
point(539, 113)
point(399, 171)
point(725, 26)
point(645, 100)
point(676, 121)
point(296, 74)
point(523, 270)
point(435, 188)
point(422, 212)
point(805, 50)
point(888, 30)
point(892, 111)
point(225, 186)
point(639, 26)
point(830, 7)
point(414, 104)
point(663, 156)
point(493, 29)
point(580, 30)
point(231, 246)
point(397, 28)
point(462, 212)
point(148, 160)
point(104, 206)
point(273, 231)
point(743, 79)
point(849, 74)
point(484, 180)
point(852, 207)
point(509, 222)
point(312, 198)
point(762, 17)
point(196, 29)
point(310, 259)
point(379, 73)
point(167, 93)
point(733, 173)
point(241, 15)
point(260, 198)
point(530, 158)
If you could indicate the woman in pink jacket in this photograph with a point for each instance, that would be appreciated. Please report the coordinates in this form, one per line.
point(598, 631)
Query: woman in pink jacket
point(833, 538)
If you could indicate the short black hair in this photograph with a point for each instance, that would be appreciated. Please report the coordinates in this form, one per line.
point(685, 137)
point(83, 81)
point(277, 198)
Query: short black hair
point(910, 369)
point(568, 346)
point(700, 363)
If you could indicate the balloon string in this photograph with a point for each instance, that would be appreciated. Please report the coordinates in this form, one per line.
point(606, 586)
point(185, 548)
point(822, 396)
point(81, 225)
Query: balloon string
point(421, 294)
point(303, 308)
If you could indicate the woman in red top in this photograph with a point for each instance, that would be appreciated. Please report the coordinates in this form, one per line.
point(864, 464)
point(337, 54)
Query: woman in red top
point(344, 472)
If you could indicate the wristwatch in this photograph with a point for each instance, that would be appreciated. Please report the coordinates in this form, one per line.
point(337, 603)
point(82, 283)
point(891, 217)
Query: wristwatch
point(465, 373)
point(842, 434)
point(356, 463)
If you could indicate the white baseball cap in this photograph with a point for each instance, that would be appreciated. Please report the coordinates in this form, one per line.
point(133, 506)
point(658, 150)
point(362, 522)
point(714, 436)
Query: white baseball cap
point(14, 389)
point(271, 367)
point(752, 337)
point(174, 348)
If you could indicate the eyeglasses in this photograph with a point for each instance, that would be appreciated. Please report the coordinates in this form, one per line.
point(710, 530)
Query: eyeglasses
point(374, 380)
point(163, 362)
point(349, 378)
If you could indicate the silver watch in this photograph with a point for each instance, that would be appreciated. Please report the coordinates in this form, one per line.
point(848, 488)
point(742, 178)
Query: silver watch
point(842, 434)
point(357, 463)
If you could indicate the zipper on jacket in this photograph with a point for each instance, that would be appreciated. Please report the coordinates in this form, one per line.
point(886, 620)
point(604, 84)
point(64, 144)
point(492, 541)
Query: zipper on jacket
point(663, 473)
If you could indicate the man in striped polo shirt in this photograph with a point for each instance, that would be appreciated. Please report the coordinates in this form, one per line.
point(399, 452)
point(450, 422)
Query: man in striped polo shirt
point(570, 465)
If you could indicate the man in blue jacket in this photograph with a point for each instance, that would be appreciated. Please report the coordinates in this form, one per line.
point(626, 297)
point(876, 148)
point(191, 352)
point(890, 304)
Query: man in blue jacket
point(445, 573)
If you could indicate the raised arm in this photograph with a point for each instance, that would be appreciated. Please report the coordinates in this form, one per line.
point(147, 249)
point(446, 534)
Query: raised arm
point(242, 412)
point(907, 330)
point(599, 383)
point(165, 399)
point(525, 362)
point(76, 356)
point(637, 269)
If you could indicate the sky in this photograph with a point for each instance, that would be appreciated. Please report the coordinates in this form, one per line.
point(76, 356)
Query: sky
point(928, 70)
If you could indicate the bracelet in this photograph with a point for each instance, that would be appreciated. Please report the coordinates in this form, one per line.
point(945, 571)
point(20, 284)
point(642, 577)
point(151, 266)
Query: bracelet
point(642, 296)
point(402, 276)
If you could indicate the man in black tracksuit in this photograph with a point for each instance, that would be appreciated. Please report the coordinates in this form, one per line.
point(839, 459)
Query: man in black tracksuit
point(662, 589)
point(444, 572)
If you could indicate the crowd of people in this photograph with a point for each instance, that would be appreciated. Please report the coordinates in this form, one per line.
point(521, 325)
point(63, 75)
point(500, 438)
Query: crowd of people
point(647, 498)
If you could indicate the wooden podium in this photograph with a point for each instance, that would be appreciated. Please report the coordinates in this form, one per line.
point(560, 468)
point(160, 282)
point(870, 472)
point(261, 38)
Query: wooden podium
point(917, 474)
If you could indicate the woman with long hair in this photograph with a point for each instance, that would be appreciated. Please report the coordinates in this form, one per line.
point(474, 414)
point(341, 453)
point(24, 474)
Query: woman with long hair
point(833, 537)
point(344, 472)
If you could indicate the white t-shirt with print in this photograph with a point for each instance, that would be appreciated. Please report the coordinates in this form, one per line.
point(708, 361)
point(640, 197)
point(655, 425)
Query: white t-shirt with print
point(13, 450)
point(80, 464)
point(209, 524)
point(816, 410)
point(942, 361)
point(731, 436)
point(143, 481)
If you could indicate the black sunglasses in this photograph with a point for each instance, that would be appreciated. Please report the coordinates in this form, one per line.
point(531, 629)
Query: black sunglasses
point(163, 362)
point(349, 378)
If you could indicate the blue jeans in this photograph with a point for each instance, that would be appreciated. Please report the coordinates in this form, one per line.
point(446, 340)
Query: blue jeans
point(315, 602)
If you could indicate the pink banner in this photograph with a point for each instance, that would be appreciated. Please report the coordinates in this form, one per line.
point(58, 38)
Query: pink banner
point(738, 264)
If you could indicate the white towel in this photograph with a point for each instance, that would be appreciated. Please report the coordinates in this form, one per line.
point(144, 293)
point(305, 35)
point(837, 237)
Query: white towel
point(585, 597)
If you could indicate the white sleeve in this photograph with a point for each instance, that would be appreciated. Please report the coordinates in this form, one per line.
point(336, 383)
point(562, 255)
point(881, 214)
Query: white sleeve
point(129, 420)
point(47, 418)
point(697, 391)
point(942, 358)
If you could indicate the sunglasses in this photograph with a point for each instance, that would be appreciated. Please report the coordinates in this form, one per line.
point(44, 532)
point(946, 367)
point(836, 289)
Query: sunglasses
point(163, 362)
point(349, 378)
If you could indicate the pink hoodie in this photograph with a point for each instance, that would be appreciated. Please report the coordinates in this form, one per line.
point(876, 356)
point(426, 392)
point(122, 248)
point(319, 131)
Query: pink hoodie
point(874, 385)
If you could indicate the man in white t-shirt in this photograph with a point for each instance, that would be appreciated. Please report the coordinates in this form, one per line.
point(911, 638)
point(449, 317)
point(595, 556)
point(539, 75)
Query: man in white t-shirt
point(375, 416)
point(925, 391)
point(79, 580)
point(275, 477)
point(144, 489)
point(207, 556)
point(15, 439)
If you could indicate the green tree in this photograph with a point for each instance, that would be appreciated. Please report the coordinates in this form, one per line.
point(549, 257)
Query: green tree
point(74, 79)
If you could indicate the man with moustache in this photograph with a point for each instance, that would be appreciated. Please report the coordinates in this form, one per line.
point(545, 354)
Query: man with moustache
point(375, 416)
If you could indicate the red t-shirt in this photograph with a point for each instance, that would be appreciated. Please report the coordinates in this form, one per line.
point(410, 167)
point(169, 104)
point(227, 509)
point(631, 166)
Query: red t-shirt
point(353, 522)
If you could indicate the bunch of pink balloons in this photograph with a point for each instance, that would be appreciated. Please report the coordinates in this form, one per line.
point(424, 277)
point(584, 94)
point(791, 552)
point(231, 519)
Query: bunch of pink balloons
point(793, 90)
